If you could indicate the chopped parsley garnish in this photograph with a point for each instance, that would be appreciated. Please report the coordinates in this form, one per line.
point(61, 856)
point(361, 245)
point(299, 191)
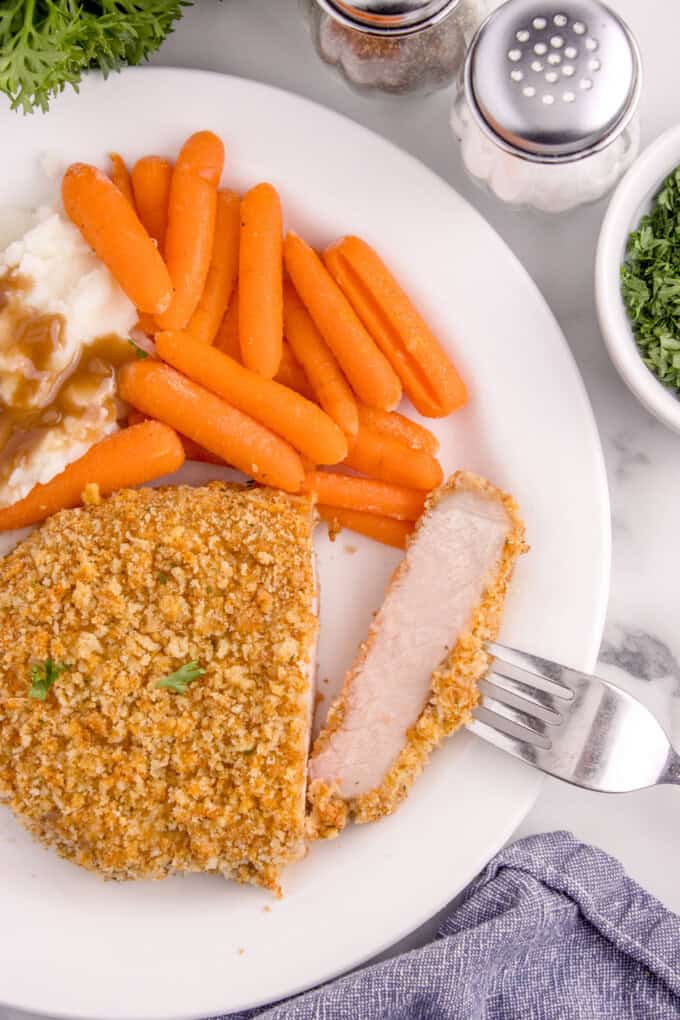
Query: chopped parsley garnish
point(162, 578)
point(140, 353)
point(650, 283)
point(179, 681)
point(43, 676)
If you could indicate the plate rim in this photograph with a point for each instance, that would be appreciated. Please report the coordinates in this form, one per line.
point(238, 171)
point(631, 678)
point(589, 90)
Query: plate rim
point(599, 617)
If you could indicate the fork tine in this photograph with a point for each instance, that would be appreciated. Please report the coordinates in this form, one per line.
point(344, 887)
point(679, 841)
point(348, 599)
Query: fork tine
point(503, 676)
point(550, 672)
point(518, 748)
point(517, 716)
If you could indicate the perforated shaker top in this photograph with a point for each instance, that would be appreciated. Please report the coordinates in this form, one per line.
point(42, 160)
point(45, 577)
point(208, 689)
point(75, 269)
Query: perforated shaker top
point(551, 80)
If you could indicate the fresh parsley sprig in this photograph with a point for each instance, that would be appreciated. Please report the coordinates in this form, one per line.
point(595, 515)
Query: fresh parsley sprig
point(650, 283)
point(179, 681)
point(46, 45)
point(43, 676)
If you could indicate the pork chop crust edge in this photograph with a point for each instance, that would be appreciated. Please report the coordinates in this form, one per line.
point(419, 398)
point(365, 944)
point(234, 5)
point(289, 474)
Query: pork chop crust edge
point(453, 690)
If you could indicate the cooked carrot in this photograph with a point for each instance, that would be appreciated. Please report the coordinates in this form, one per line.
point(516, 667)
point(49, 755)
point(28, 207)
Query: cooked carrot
point(292, 374)
point(121, 177)
point(430, 379)
point(349, 492)
point(391, 423)
point(110, 225)
point(192, 451)
point(319, 363)
point(302, 423)
point(135, 417)
point(192, 208)
point(261, 280)
point(163, 393)
point(146, 324)
point(368, 371)
point(122, 460)
point(219, 285)
point(151, 177)
point(381, 456)
point(227, 339)
point(382, 529)
point(199, 454)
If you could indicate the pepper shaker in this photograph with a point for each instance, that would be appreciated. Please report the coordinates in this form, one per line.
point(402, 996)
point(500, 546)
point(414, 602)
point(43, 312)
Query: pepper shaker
point(399, 46)
point(546, 110)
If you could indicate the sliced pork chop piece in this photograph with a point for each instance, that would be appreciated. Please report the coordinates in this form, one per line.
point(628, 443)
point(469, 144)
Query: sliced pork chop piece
point(414, 680)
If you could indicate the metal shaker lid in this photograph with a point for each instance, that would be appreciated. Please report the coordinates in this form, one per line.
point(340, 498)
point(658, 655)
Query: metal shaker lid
point(389, 17)
point(553, 81)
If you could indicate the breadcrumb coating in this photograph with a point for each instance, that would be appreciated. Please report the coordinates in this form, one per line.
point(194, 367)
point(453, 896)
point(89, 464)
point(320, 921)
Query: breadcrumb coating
point(453, 691)
point(132, 780)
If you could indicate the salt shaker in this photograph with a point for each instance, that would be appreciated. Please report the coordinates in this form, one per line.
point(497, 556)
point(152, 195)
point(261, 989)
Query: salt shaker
point(400, 46)
point(547, 104)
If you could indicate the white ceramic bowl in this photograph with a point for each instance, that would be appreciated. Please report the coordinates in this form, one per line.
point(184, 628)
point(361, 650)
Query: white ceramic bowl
point(631, 200)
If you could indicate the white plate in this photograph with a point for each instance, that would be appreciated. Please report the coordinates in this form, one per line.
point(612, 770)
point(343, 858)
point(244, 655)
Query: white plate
point(74, 946)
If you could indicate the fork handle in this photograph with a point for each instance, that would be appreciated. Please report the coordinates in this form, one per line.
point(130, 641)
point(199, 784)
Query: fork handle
point(671, 770)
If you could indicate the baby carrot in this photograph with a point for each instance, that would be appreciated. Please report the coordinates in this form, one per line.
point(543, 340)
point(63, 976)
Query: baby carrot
point(430, 380)
point(367, 369)
point(302, 423)
point(261, 280)
point(192, 451)
point(381, 456)
point(121, 177)
point(146, 324)
point(210, 310)
point(319, 364)
point(292, 374)
point(110, 225)
point(136, 417)
point(366, 494)
point(397, 425)
point(192, 209)
point(151, 186)
point(227, 339)
point(382, 529)
point(163, 393)
point(122, 460)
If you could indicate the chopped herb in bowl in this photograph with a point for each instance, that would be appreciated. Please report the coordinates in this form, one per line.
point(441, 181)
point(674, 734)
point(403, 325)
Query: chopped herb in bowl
point(650, 283)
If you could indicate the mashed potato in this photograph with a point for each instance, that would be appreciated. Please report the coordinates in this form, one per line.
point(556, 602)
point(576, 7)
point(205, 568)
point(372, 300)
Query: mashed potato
point(57, 391)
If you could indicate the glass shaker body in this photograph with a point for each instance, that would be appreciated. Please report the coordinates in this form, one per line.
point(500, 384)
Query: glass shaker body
point(546, 109)
point(548, 187)
point(420, 60)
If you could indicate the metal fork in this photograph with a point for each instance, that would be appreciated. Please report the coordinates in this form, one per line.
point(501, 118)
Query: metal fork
point(573, 726)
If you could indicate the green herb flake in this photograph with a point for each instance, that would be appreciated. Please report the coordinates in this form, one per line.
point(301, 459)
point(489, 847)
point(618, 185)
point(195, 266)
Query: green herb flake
point(46, 45)
point(249, 750)
point(162, 578)
point(179, 681)
point(140, 353)
point(42, 676)
point(650, 284)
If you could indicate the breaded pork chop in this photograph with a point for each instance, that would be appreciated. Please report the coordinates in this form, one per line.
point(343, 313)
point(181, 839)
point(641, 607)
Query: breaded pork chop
point(139, 781)
point(414, 681)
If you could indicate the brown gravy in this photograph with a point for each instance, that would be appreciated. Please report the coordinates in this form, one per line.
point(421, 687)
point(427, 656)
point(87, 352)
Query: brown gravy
point(35, 337)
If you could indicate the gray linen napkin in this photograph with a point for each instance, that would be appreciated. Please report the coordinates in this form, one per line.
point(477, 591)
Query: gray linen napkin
point(552, 929)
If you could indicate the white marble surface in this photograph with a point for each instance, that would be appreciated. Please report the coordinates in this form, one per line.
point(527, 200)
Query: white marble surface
point(267, 40)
